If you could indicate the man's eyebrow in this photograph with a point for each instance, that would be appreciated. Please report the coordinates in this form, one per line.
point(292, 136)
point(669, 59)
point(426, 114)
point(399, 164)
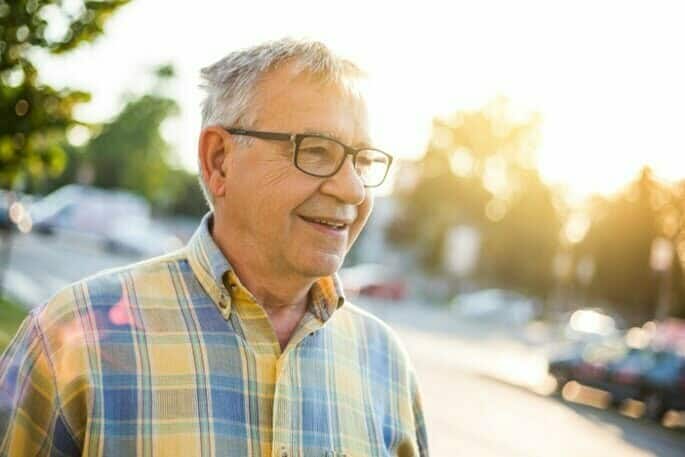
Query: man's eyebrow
point(322, 133)
point(361, 144)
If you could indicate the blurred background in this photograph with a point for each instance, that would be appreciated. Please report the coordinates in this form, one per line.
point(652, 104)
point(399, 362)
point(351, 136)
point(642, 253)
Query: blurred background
point(528, 247)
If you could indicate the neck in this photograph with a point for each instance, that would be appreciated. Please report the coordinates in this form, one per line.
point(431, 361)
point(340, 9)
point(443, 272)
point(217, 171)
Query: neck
point(276, 291)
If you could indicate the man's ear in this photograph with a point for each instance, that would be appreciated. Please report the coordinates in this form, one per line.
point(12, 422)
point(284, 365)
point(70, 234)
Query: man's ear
point(213, 148)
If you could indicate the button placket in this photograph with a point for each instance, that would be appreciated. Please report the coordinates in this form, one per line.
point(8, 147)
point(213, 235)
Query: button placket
point(281, 415)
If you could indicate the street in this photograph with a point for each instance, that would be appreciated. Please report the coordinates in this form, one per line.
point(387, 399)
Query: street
point(42, 264)
point(472, 414)
point(476, 382)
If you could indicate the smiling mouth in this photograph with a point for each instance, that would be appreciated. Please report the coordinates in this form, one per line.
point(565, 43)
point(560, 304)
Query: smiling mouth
point(326, 223)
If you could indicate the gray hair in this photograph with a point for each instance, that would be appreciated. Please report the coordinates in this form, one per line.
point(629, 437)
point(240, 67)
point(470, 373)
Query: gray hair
point(230, 83)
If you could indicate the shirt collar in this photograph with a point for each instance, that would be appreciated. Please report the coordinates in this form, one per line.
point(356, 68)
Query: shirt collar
point(212, 269)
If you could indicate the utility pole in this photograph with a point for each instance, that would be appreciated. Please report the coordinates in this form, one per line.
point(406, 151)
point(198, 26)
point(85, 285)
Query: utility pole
point(661, 261)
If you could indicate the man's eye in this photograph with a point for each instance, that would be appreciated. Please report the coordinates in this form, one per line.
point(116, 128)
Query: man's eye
point(318, 153)
point(364, 161)
point(315, 150)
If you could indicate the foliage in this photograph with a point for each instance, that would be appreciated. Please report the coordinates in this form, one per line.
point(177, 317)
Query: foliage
point(34, 116)
point(11, 317)
point(477, 171)
point(130, 152)
point(620, 242)
point(188, 199)
point(519, 246)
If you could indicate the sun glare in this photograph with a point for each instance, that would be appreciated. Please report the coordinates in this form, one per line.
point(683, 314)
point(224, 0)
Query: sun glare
point(610, 98)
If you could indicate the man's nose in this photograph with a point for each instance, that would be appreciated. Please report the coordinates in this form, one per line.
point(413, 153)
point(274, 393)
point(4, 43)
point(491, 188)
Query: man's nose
point(346, 185)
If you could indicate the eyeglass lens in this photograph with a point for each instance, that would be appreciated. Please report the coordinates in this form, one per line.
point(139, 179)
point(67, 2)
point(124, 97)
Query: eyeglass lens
point(322, 157)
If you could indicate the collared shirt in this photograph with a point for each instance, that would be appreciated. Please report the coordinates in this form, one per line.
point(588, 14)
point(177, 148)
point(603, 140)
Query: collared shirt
point(174, 357)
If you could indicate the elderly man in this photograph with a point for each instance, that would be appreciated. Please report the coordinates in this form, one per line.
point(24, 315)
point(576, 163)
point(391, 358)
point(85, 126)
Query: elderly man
point(240, 344)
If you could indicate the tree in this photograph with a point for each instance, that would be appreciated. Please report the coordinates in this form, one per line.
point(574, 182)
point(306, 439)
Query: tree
point(478, 170)
point(521, 237)
point(34, 116)
point(620, 241)
point(130, 152)
point(438, 201)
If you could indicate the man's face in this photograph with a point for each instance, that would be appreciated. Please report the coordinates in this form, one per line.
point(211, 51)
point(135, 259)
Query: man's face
point(271, 205)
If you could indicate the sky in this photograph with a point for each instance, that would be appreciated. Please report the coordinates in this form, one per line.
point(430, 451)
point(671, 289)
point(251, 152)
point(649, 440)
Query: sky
point(607, 77)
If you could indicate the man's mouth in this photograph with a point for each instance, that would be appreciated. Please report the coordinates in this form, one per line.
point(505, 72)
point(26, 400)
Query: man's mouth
point(327, 223)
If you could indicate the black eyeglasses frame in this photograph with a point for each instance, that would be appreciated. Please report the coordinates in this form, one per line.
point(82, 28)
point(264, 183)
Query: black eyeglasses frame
point(297, 138)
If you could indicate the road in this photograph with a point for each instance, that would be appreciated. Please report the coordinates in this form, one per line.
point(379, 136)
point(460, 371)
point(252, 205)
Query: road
point(475, 381)
point(40, 265)
point(484, 394)
point(469, 413)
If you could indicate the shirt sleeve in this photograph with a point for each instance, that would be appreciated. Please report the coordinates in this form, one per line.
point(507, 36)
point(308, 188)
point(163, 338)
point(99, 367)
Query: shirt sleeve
point(31, 423)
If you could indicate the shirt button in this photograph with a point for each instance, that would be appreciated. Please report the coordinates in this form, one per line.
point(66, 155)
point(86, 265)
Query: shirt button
point(284, 452)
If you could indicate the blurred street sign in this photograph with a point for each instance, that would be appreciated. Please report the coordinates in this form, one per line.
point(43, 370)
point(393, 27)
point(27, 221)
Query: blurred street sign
point(661, 256)
point(585, 270)
point(462, 250)
point(563, 265)
point(661, 261)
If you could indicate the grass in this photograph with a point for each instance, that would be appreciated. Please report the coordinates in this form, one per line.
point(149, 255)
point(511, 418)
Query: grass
point(11, 316)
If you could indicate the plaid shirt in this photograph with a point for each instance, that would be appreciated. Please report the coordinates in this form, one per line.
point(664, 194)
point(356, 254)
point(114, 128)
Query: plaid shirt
point(174, 357)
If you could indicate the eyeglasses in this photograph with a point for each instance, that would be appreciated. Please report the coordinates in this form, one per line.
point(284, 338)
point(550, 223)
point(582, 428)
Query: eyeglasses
point(319, 155)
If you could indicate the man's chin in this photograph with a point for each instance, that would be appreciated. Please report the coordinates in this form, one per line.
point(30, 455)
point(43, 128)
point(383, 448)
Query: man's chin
point(322, 265)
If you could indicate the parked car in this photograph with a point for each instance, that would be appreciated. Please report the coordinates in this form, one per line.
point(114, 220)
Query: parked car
point(116, 219)
point(496, 306)
point(591, 363)
point(663, 387)
point(625, 375)
point(140, 238)
point(655, 377)
point(6, 200)
point(588, 363)
point(14, 210)
point(373, 280)
point(562, 364)
point(86, 209)
point(669, 334)
point(591, 324)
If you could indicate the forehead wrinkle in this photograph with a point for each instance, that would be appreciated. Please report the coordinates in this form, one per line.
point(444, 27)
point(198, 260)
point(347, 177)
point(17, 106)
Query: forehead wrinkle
point(354, 130)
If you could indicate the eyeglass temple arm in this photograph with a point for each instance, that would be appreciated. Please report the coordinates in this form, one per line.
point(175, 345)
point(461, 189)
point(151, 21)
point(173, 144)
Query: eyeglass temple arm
point(262, 135)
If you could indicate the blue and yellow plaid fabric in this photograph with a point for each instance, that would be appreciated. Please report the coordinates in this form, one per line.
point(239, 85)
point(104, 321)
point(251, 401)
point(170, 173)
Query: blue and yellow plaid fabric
point(173, 357)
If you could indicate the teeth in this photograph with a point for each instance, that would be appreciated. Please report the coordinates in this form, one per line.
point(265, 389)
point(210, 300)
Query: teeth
point(330, 224)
